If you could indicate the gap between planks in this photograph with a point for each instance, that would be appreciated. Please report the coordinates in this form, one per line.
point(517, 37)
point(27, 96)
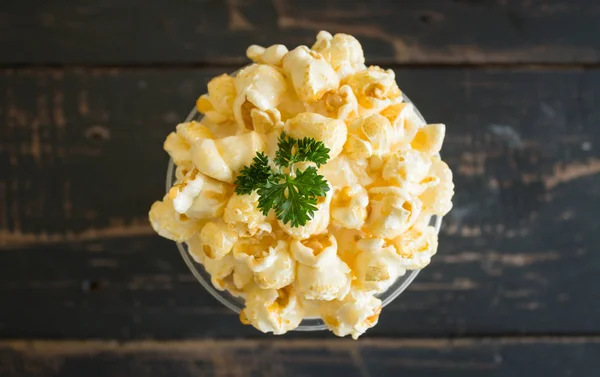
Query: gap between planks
point(232, 65)
point(90, 347)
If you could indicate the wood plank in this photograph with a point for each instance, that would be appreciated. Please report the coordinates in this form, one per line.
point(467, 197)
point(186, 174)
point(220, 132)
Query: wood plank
point(81, 162)
point(552, 357)
point(214, 31)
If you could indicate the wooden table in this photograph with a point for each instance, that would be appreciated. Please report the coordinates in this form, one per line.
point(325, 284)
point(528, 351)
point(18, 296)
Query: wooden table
point(89, 89)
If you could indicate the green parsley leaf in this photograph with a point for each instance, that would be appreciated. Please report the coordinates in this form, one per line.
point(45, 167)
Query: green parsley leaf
point(293, 197)
point(253, 176)
point(292, 150)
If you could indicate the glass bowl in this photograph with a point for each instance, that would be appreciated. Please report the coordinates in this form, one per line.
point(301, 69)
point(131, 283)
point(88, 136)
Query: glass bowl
point(237, 303)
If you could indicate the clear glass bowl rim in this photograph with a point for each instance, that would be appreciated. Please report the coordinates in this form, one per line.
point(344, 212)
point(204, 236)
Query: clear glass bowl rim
point(236, 304)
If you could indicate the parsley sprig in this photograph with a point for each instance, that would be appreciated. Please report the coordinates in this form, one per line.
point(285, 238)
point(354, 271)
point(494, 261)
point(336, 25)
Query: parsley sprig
point(292, 193)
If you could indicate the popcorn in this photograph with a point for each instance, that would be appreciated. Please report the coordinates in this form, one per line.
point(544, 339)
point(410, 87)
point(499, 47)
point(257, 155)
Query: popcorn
point(407, 168)
point(258, 86)
point(322, 275)
point(392, 213)
point(349, 207)
point(273, 310)
point(340, 104)
point(368, 136)
point(269, 259)
point(437, 198)
point(377, 265)
point(317, 225)
point(271, 55)
point(243, 216)
point(416, 247)
point(342, 51)
point(404, 120)
point(386, 181)
point(310, 73)
point(374, 88)
point(217, 105)
point(217, 240)
point(170, 224)
point(222, 159)
point(332, 132)
point(355, 314)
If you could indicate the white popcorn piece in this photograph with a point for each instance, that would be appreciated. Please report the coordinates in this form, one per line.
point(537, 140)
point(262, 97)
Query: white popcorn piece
point(199, 196)
point(340, 104)
point(271, 55)
point(437, 198)
point(392, 211)
point(349, 207)
point(222, 159)
point(404, 121)
point(243, 216)
point(217, 105)
point(267, 121)
point(269, 258)
point(170, 224)
point(217, 239)
point(429, 139)
point(311, 75)
point(322, 275)
point(407, 168)
point(368, 136)
point(332, 132)
point(375, 88)
point(377, 266)
point(342, 51)
point(258, 86)
point(342, 171)
point(178, 148)
point(317, 225)
point(416, 247)
point(355, 314)
point(272, 310)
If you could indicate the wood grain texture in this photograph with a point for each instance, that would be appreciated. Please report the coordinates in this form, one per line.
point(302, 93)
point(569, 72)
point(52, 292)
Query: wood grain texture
point(82, 162)
point(551, 357)
point(218, 31)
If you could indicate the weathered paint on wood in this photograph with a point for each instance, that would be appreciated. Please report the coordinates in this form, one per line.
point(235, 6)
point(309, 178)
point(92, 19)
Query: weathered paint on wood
point(218, 31)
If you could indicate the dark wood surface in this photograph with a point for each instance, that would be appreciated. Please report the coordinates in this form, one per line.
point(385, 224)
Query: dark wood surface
point(88, 91)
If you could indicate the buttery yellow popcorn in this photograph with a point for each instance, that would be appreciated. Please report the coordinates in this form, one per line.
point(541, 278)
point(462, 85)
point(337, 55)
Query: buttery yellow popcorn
point(368, 136)
point(258, 86)
point(340, 104)
point(310, 74)
point(222, 159)
point(429, 139)
point(272, 310)
point(437, 197)
point(386, 183)
point(377, 265)
point(392, 212)
point(342, 51)
point(407, 168)
point(416, 247)
point(271, 55)
point(405, 122)
point(217, 239)
point(349, 207)
point(217, 105)
point(199, 196)
point(332, 132)
point(355, 314)
point(322, 275)
point(374, 88)
point(169, 223)
point(243, 216)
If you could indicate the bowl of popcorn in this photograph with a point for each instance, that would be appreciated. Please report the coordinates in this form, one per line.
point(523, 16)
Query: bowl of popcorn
point(305, 191)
